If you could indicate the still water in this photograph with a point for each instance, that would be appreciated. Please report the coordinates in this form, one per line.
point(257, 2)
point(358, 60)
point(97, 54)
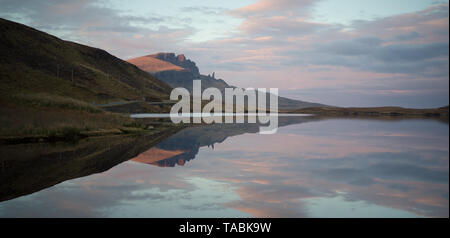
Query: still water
point(309, 168)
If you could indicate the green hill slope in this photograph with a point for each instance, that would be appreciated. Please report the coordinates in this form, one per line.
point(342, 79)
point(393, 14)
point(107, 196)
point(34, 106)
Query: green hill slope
point(48, 85)
point(35, 62)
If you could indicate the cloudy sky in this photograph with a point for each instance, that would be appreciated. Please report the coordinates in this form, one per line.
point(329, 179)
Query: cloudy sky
point(338, 52)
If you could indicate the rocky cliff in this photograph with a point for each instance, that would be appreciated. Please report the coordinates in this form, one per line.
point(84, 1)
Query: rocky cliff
point(179, 60)
point(178, 71)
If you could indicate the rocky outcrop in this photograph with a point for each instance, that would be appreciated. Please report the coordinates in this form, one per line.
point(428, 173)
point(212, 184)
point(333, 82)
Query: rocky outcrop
point(176, 70)
point(179, 60)
point(183, 78)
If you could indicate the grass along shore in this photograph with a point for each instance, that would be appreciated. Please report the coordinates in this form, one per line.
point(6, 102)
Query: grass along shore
point(27, 118)
point(43, 117)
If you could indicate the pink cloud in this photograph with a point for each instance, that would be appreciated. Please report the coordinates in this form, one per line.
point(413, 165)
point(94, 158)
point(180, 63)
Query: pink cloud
point(270, 6)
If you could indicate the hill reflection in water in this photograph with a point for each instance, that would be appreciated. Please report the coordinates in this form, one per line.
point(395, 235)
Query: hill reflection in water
point(310, 168)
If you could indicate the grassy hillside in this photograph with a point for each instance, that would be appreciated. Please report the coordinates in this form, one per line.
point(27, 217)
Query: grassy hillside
point(36, 62)
point(48, 85)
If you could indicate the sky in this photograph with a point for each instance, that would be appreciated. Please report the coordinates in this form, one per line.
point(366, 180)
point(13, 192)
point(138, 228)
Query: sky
point(337, 52)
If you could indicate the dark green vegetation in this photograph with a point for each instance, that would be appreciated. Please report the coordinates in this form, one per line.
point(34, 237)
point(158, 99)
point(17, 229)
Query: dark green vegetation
point(377, 112)
point(48, 86)
point(138, 107)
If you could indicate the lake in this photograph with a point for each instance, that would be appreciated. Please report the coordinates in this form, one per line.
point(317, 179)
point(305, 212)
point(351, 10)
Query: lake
point(310, 168)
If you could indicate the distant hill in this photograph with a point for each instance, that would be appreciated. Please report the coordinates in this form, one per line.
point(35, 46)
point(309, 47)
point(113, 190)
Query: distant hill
point(179, 60)
point(440, 113)
point(178, 71)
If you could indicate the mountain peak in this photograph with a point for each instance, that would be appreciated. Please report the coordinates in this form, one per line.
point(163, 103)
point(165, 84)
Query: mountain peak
point(178, 60)
point(181, 58)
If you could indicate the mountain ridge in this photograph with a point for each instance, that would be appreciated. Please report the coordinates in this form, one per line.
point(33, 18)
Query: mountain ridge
point(183, 78)
point(171, 73)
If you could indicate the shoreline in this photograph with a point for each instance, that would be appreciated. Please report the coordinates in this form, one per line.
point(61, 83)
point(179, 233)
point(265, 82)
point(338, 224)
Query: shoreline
point(153, 127)
point(392, 112)
point(75, 136)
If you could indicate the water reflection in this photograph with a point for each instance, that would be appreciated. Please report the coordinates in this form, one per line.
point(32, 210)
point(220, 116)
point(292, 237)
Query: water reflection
point(310, 168)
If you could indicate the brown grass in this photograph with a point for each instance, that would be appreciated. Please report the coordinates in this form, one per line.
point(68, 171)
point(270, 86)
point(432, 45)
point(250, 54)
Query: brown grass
point(41, 100)
point(23, 120)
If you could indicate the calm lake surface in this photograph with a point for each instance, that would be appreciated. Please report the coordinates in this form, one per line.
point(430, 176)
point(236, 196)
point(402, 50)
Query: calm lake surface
point(309, 168)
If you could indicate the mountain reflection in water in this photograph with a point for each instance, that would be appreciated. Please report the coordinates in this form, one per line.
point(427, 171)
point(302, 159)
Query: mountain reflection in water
point(310, 168)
